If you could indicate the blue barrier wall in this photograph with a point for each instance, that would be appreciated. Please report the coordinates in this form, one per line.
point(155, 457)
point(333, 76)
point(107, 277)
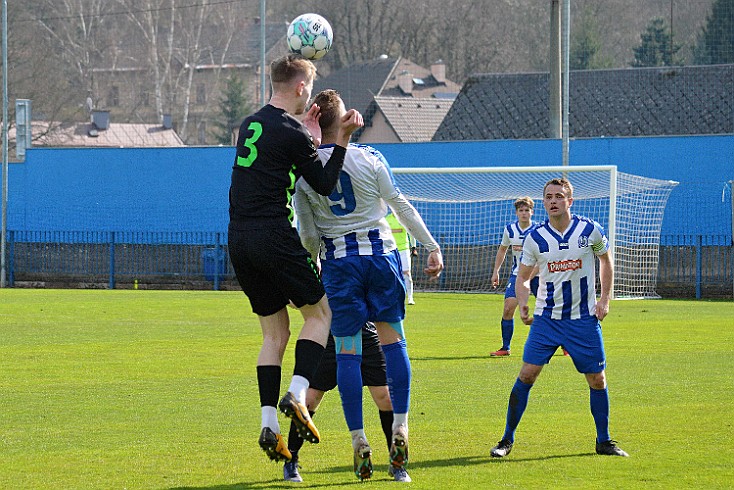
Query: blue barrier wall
point(185, 189)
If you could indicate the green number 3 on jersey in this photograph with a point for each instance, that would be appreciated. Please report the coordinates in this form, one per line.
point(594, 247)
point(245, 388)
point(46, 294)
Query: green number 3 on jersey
point(257, 131)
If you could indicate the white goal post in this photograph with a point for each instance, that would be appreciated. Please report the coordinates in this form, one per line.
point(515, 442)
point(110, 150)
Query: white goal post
point(467, 209)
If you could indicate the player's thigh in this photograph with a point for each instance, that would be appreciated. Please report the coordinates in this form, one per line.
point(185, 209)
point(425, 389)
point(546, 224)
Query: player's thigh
point(385, 289)
point(374, 368)
point(510, 288)
point(585, 345)
point(266, 297)
point(344, 281)
point(542, 342)
point(509, 308)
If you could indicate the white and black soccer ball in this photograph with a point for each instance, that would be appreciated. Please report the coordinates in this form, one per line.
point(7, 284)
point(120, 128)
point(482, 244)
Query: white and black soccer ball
point(310, 35)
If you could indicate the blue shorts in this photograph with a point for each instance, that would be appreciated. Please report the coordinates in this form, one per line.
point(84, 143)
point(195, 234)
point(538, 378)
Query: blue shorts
point(581, 338)
point(363, 288)
point(510, 289)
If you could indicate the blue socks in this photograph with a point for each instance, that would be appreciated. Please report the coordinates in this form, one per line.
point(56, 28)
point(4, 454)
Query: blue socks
point(508, 328)
point(398, 375)
point(349, 380)
point(599, 401)
point(515, 408)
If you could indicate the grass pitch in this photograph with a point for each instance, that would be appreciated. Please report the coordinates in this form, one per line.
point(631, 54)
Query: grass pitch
point(157, 390)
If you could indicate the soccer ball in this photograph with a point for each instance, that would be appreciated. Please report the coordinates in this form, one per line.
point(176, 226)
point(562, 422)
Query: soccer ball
point(310, 35)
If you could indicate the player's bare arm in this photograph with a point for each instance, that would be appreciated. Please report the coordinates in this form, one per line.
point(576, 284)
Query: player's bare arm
point(498, 261)
point(522, 292)
point(606, 279)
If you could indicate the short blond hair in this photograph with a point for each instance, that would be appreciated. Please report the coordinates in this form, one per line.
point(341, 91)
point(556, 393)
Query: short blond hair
point(525, 201)
point(565, 183)
point(289, 67)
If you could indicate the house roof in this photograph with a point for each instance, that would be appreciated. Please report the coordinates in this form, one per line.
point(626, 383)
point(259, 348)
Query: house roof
point(118, 135)
point(623, 102)
point(358, 83)
point(424, 84)
point(414, 119)
point(361, 83)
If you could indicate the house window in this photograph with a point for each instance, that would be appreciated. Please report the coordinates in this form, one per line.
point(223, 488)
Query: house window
point(201, 94)
point(114, 98)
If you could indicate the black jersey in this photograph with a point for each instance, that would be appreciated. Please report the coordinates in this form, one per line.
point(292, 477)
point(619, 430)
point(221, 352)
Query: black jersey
point(273, 151)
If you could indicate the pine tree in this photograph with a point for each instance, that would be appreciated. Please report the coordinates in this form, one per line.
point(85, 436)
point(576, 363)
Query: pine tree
point(233, 106)
point(657, 47)
point(716, 42)
point(585, 52)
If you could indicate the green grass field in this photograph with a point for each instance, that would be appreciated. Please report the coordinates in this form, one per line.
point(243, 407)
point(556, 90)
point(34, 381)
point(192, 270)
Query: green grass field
point(157, 390)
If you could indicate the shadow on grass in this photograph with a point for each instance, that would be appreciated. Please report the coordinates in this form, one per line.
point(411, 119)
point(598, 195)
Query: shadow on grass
point(381, 473)
point(473, 358)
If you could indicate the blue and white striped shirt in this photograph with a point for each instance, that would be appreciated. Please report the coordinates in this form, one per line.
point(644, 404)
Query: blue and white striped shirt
point(567, 289)
point(351, 220)
point(513, 238)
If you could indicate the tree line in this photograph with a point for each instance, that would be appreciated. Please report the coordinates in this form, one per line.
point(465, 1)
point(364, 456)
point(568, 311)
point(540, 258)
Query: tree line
point(57, 48)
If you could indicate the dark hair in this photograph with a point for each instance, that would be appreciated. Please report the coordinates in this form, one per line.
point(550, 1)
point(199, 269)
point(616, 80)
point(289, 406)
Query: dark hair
point(329, 104)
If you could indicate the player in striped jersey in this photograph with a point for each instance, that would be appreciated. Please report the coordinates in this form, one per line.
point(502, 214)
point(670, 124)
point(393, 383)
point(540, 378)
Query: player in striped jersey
point(512, 239)
point(566, 310)
point(362, 276)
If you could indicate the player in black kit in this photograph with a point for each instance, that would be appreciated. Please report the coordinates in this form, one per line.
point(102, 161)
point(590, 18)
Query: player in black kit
point(274, 150)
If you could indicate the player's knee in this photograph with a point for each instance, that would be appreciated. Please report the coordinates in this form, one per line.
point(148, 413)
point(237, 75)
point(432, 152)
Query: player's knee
point(529, 373)
point(313, 399)
point(597, 381)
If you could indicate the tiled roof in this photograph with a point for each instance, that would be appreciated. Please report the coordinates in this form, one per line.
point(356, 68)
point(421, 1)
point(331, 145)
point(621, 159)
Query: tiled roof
point(359, 83)
point(427, 87)
point(118, 135)
point(625, 102)
point(362, 83)
point(414, 119)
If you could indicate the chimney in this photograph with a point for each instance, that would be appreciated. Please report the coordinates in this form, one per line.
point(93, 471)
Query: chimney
point(167, 121)
point(438, 70)
point(405, 82)
point(101, 119)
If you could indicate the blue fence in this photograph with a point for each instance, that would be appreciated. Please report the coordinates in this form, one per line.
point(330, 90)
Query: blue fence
point(113, 256)
point(689, 266)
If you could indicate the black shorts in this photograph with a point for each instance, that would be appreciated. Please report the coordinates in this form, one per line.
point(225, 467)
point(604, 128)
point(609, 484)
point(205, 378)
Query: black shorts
point(273, 269)
point(373, 363)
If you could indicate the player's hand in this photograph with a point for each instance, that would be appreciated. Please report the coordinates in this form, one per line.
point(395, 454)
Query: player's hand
point(525, 315)
point(311, 121)
point(414, 251)
point(435, 265)
point(602, 308)
point(351, 121)
point(495, 279)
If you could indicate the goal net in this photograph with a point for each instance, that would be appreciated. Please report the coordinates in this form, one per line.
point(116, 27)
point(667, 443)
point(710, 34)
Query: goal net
point(466, 209)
